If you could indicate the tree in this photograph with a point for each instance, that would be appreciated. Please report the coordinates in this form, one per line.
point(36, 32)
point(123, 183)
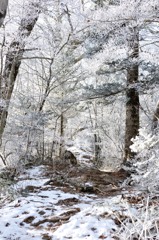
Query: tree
point(107, 47)
point(156, 117)
point(52, 74)
point(129, 29)
point(132, 94)
point(3, 10)
point(13, 60)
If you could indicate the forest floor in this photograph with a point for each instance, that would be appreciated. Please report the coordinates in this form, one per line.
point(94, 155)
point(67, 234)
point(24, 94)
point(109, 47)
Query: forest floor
point(70, 202)
point(86, 179)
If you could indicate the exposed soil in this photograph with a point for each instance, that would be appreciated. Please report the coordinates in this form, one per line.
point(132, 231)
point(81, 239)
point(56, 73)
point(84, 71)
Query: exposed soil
point(84, 179)
point(53, 208)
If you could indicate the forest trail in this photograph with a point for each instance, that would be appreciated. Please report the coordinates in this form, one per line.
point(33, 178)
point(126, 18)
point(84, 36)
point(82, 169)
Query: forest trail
point(52, 201)
point(67, 203)
point(84, 179)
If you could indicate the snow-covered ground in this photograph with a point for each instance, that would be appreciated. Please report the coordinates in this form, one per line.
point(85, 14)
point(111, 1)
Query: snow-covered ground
point(47, 212)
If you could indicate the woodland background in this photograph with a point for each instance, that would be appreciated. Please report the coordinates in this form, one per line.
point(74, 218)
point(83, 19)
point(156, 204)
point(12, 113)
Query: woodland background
point(79, 116)
point(78, 76)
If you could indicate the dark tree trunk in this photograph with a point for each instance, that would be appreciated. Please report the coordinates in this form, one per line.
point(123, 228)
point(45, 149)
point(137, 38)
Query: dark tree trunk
point(13, 61)
point(156, 117)
point(97, 149)
point(132, 95)
point(61, 135)
point(3, 10)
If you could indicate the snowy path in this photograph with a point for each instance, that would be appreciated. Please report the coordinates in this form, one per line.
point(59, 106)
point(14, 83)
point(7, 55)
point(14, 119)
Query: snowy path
point(21, 218)
point(47, 212)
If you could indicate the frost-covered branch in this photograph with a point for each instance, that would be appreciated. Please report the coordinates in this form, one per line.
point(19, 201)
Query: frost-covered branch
point(12, 61)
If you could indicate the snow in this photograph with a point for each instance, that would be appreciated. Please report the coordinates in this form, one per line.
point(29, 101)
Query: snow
point(88, 223)
point(44, 213)
point(82, 226)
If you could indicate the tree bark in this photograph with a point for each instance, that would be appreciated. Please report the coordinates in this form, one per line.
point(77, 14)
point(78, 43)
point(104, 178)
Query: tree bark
point(61, 150)
point(132, 95)
point(13, 61)
point(97, 149)
point(156, 117)
point(3, 10)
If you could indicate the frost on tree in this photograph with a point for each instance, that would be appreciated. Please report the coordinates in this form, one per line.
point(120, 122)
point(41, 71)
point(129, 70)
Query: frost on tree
point(13, 60)
point(3, 10)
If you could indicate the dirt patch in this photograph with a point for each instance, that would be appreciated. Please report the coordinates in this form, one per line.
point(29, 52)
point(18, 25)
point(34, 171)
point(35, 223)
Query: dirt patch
point(29, 219)
point(68, 201)
point(64, 217)
point(87, 180)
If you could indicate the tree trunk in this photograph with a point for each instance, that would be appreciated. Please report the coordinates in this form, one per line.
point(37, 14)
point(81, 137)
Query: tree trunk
point(13, 61)
point(132, 95)
point(97, 149)
point(61, 150)
point(156, 117)
point(3, 10)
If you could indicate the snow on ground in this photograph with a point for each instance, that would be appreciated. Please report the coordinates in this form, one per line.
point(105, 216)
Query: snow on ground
point(87, 224)
point(18, 218)
point(32, 177)
point(49, 213)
